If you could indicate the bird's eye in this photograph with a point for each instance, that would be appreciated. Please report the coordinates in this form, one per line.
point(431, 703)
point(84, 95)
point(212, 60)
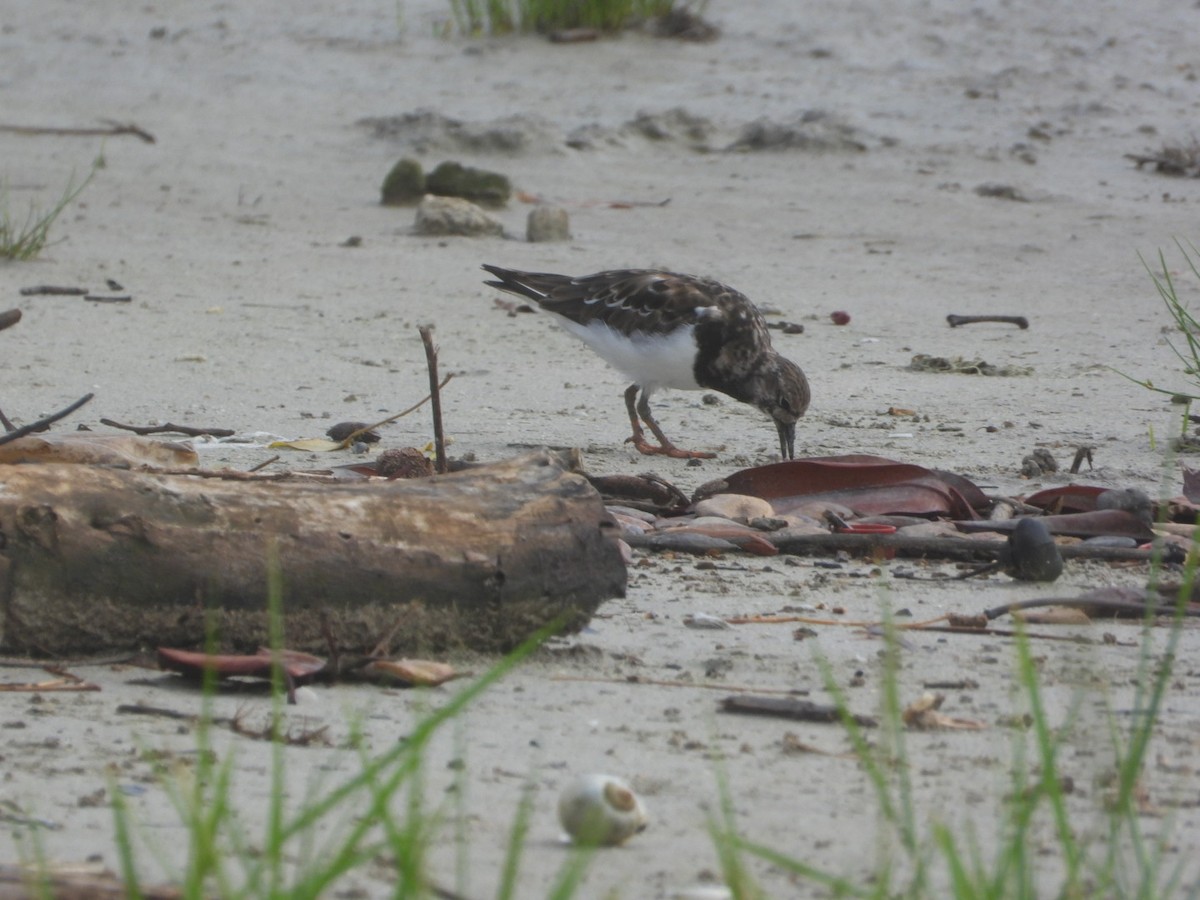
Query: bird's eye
point(784, 405)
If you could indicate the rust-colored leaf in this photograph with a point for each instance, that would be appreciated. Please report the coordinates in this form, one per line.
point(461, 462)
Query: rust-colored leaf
point(869, 485)
point(298, 666)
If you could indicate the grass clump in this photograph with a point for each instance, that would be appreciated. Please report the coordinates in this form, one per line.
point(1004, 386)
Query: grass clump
point(1186, 328)
point(23, 239)
point(504, 16)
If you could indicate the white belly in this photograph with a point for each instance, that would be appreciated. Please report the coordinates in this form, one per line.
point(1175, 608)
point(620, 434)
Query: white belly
point(651, 361)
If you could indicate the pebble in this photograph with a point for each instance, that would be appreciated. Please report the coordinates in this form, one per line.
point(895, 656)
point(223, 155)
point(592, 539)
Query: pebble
point(547, 223)
point(454, 216)
point(739, 507)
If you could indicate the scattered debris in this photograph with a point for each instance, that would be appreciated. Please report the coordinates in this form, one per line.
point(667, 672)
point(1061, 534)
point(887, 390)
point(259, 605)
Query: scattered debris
point(1040, 462)
point(923, 362)
point(923, 714)
point(72, 881)
point(1001, 192)
point(1179, 160)
point(682, 23)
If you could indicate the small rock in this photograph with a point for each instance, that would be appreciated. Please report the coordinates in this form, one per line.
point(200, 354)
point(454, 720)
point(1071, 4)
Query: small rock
point(404, 184)
point(1031, 553)
point(453, 215)
point(739, 507)
point(452, 179)
point(547, 223)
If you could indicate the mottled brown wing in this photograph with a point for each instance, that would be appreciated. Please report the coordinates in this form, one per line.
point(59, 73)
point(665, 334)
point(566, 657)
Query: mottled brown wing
point(647, 300)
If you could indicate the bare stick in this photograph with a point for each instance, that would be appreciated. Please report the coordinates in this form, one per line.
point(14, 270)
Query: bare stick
point(661, 682)
point(435, 394)
point(939, 547)
point(169, 428)
point(104, 298)
point(262, 465)
point(42, 423)
point(53, 290)
point(1020, 321)
point(114, 129)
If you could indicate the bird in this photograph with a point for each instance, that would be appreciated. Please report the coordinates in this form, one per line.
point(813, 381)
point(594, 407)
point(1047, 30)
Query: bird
point(669, 330)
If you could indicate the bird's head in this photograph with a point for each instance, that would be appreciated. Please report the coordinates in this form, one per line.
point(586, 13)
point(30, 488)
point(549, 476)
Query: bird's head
point(784, 397)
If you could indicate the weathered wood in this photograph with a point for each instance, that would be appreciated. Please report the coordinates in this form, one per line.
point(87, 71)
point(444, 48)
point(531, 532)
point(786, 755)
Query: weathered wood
point(100, 559)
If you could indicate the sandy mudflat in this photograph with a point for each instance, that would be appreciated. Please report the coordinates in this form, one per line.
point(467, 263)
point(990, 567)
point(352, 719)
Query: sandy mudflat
point(883, 120)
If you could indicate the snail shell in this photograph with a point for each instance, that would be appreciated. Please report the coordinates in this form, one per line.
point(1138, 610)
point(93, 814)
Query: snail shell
point(600, 809)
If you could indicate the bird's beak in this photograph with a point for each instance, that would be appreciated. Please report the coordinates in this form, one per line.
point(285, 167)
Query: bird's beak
point(787, 439)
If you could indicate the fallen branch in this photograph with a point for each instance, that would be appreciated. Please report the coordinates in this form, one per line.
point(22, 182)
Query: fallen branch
point(56, 686)
point(660, 682)
point(114, 129)
point(43, 422)
point(169, 427)
point(52, 290)
point(941, 547)
point(797, 710)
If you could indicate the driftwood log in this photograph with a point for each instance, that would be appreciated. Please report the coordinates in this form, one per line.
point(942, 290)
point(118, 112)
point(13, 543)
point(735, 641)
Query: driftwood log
point(94, 559)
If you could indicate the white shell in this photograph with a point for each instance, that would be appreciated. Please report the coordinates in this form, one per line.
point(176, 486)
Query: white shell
point(600, 809)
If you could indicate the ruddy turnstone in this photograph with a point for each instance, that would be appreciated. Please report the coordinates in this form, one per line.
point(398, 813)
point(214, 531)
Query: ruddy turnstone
point(663, 329)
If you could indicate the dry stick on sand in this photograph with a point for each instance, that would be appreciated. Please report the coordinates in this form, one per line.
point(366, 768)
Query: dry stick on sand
point(939, 547)
point(114, 129)
point(169, 427)
point(53, 290)
point(1020, 321)
point(439, 437)
point(43, 422)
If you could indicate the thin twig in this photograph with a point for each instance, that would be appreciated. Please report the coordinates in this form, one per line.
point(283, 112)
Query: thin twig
point(114, 129)
point(168, 427)
point(439, 437)
point(262, 465)
point(658, 682)
point(54, 290)
point(350, 438)
point(58, 684)
point(43, 422)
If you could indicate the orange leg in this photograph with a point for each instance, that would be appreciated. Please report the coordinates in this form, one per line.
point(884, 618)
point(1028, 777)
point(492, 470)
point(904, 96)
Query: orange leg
point(639, 411)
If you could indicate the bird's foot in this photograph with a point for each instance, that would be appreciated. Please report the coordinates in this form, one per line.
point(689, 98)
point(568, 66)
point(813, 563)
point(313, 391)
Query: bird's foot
point(667, 449)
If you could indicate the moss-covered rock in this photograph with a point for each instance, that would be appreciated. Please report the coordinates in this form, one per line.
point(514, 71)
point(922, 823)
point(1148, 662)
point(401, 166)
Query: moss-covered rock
point(404, 184)
point(452, 179)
